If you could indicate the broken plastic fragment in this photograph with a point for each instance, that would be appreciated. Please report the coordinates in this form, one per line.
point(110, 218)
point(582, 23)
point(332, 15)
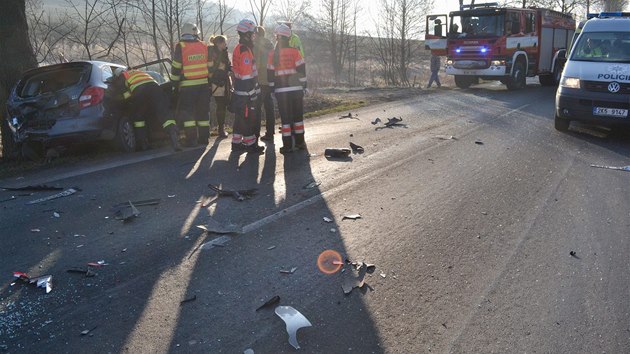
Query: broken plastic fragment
point(327, 219)
point(445, 137)
point(351, 216)
point(218, 228)
point(35, 230)
point(217, 242)
point(337, 152)
point(44, 281)
point(349, 115)
point(376, 121)
point(128, 213)
point(479, 142)
point(270, 248)
point(294, 321)
point(84, 332)
point(65, 193)
point(357, 149)
point(97, 264)
point(56, 214)
point(621, 168)
point(274, 300)
point(239, 195)
point(284, 271)
point(351, 281)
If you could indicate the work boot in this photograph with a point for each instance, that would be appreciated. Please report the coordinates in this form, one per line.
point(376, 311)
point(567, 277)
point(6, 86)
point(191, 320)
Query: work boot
point(267, 137)
point(287, 145)
point(299, 142)
point(174, 136)
point(222, 133)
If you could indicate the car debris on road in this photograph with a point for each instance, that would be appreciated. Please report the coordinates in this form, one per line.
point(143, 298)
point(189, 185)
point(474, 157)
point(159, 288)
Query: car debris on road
point(618, 168)
point(357, 149)
point(349, 115)
point(65, 193)
point(128, 213)
point(351, 216)
point(239, 195)
point(294, 320)
point(44, 281)
point(337, 153)
point(274, 300)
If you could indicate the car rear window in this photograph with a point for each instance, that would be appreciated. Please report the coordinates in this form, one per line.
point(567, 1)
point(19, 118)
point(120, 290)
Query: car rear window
point(49, 80)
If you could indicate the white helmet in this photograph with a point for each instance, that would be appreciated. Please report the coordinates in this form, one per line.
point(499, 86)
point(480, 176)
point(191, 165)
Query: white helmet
point(190, 28)
point(246, 25)
point(282, 30)
point(119, 71)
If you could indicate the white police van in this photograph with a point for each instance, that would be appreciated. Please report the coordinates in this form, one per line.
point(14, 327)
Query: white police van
point(595, 83)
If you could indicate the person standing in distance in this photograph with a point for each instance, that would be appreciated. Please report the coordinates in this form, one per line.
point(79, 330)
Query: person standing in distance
point(262, 47)
point(245, 90)
point(435, 69)
point(286, 71)
point(220, 67)
point(189, 73)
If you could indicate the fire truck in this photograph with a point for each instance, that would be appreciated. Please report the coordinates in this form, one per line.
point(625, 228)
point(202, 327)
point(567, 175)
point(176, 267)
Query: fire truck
point(489, 42)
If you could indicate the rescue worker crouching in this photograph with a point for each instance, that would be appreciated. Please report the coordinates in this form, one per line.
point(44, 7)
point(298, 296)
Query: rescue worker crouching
point(286, 71)
point(245, 91)
point(147, 101)
point(220, 67)
point(189, 71)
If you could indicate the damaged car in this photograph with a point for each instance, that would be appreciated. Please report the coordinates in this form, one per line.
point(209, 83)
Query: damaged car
point(64, 104)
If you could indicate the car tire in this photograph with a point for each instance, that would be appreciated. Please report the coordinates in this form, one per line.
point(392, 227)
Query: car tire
point(463, 82)
point(517, 78)
point(125, 136)
point(561, 125)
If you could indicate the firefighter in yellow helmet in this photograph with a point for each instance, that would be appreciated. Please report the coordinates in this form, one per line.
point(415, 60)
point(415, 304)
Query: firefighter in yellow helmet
point(146, 101)
point(189, 73)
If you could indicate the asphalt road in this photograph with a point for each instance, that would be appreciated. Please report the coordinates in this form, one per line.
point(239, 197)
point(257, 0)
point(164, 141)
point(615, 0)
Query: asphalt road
point(502, 239)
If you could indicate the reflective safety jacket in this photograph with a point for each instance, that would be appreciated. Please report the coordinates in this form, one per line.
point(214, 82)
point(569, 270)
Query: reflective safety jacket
point(286, 71)
point(296, 42)
point(190, 63)
point(134, 79)
point(245, 72)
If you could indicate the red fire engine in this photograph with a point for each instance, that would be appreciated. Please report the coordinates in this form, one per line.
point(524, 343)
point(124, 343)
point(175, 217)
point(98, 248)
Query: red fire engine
point(488, 42)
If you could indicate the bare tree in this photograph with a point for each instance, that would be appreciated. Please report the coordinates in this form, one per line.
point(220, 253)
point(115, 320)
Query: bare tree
point(17, 57)
point(336, 25)
point(260, 8)
point(46, 30)
point(291, 10)
point(223, 12)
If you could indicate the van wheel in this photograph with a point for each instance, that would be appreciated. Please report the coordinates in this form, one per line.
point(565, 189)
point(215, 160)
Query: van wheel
point(125, 137)
point(561, 125)
point(517, 79)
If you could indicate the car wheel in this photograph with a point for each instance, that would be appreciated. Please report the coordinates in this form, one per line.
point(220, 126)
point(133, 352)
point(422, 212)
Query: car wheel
point(463, 82)
point(125, 137)
point(561, 125)
point(517, 79)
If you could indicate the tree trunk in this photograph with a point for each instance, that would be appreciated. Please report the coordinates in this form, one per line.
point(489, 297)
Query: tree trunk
point(17, 56)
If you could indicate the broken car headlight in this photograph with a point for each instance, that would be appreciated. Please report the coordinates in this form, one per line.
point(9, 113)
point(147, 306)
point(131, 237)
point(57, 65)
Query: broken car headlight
point(570, 82)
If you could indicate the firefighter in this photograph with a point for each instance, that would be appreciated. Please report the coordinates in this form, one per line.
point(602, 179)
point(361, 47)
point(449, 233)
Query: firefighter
point(147, 101)
point(295, 41)
point(262, 47)
point(220, 67)
point(245, 90)
point(286, 72)
point(189, 71)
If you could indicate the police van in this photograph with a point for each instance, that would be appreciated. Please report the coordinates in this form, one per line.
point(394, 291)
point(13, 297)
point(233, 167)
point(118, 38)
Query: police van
point(595, 83)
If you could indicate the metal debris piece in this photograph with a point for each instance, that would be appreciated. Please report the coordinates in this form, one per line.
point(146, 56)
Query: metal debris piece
point(214, 226)
point(38, 188)
point(445, 137)
point(333, 230)
point(98, 264)
point(327, 219)
point(351, 216)
point(312, 185)
point(337, 152)
point(383, 275)
point(239, 195)
point(479, 142)
point(294, 321)
point(284, 271)
point(274, 300)
point(35, 230)
point(357, 149)
point(376, 121)
point(128, 213)
point(84, 332)
point(56, 214)
point(137, 203)
point(349, 115)
point(65, 193)
point(190, 299)
point(171, 195)
point(217, 242)
point(270, 248)
point(618, 168)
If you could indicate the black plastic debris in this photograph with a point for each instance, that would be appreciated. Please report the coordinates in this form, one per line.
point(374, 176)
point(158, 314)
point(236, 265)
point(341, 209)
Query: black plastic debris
point(376, 121)
point(349, 115)
point(273, 301)
point(351, 216)
point(190, 299)
point(573, 254)
point(393, 122)
point(239, 195)
point(38, 188)
point(618, 168)
point(337, 152)
point(357, 149)
point(65, 193)
point(479, 142)
point(128, 213)
point(87, 331)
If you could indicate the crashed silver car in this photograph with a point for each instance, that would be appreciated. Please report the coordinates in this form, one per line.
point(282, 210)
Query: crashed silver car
point(68, 103)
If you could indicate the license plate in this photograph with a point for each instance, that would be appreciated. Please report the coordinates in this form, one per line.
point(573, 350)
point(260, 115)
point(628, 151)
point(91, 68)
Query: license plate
point(470, 72)
point(610, 112)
